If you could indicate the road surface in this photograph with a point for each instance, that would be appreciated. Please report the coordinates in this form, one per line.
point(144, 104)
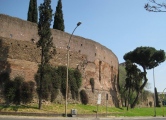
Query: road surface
point(5, 117)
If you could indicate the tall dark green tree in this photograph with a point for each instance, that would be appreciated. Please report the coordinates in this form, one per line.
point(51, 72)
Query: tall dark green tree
point(133, 82)
point(58, 17)
point(45, 42)
point(147, 58)
point(157, 98)
point(32, 12)
point(122, 78)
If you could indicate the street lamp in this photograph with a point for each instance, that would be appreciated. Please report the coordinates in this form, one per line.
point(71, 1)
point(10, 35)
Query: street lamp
point(67, 73)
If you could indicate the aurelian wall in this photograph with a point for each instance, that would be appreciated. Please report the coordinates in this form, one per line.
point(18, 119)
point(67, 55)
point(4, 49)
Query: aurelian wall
point(91, 58)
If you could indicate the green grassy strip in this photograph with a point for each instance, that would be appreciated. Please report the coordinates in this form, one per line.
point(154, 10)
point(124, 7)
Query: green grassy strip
point(84, 109)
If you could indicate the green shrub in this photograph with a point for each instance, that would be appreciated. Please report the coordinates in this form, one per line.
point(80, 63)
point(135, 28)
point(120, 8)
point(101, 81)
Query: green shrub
point(78, 76)
point(17, 86)
point(54, 94)
point(9, 92)
point(56, 85)
point(73, 88)
point(55, 79)
point(150, 103)
point(62, 74)
point(17, 91)
point(27, 90)
point(84, 97)
point(46, 81)
point(4, 77)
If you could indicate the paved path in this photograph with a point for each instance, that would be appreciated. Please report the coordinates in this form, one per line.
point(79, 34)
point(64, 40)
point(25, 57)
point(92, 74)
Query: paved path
point(8, 117)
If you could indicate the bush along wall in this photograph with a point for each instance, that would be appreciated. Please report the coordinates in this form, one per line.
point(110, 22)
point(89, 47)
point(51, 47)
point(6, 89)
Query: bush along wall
point(17, 91)
point(55, 79)
point(84, 97)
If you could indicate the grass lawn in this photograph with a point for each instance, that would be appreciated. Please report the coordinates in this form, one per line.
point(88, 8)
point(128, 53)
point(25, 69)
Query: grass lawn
point(84, 109)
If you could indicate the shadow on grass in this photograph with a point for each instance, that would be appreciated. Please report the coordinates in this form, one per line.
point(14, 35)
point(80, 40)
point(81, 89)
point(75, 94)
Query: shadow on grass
point(121, 108)
point(15, 107)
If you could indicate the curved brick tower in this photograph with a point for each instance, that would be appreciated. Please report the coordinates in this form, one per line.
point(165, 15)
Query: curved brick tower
point(20, 56)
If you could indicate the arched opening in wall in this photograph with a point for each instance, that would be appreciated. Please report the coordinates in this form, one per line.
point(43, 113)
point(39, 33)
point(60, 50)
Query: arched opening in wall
point(100, 62)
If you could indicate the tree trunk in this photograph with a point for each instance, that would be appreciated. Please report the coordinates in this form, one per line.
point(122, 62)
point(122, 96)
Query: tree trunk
point(135, 100)
point(128, 99)
point(41, 79)
point(141, 88)
point(145, 80)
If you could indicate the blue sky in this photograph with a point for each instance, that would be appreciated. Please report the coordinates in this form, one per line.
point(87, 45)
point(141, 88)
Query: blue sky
point(120, 25)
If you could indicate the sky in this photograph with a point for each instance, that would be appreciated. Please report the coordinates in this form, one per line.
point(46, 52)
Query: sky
point(120, 25)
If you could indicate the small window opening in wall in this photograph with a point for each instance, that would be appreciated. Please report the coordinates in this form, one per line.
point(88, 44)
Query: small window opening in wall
point(95, 54)
point(112, 68)
point(11, 43)
point(18, 44)
point(59, 53)
point(26, 46)
point(70, 55)
point(33, 40)
point(79, 51)
point(81, 44)
point(11, 35)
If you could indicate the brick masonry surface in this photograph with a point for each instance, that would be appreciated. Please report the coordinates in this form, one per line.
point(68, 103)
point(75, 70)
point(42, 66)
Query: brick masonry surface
point(20, 56)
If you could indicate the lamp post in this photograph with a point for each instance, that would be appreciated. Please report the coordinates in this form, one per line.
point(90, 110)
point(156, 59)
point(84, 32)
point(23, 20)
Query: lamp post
point(154, 95)
point(67, 72)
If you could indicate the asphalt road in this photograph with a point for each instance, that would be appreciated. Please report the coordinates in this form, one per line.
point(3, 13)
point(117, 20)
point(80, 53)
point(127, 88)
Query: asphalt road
point(5, 117)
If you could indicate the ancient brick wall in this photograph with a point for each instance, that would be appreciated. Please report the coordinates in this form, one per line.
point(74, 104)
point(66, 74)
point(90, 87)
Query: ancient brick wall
point(93, 59)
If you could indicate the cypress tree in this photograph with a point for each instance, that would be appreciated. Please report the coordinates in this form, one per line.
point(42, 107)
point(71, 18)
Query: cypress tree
point(45, 42)
point(157, 98)
point(35, 12)
point(32, 12)
point(58, 17)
